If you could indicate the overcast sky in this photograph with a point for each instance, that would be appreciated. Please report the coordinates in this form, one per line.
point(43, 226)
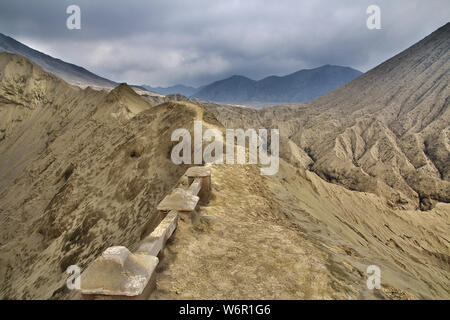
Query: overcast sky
point(194, 42)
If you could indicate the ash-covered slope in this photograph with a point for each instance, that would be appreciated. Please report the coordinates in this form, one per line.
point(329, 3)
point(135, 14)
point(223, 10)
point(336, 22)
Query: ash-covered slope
point(80, 170)
point(295, 236)
point(386, 132)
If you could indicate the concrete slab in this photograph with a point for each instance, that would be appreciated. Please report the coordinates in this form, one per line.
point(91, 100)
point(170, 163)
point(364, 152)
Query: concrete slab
point(118, 272)
point(155, 242)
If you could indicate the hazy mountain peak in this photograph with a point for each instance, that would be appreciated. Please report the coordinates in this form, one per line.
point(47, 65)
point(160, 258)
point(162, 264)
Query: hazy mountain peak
point(122, 89)
point(123, 103)
point(176, 89)
point(238, 77)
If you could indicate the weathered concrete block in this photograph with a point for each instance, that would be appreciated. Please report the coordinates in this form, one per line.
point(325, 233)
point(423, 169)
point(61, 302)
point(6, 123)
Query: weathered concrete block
point(151, 286)
point(155, 242)
point(180, 200)
point(205, 175)
point(118, 272)
point(195, 186)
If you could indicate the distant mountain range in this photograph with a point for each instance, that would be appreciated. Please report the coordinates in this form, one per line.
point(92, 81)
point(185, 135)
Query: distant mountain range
point(179, 88)
point(298, 87)
point(301, 86)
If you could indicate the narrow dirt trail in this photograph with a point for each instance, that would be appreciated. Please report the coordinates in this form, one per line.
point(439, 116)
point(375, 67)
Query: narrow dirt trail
point(237, 247)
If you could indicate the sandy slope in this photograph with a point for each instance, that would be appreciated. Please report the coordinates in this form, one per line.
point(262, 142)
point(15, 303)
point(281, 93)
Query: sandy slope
point(295, 236)
point(77, 174)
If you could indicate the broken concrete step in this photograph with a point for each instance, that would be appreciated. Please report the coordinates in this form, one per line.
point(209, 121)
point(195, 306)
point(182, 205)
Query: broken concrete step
point(118, 272)
point(155, 242)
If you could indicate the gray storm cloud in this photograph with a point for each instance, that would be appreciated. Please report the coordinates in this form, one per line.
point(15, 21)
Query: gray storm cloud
point(196, 42)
